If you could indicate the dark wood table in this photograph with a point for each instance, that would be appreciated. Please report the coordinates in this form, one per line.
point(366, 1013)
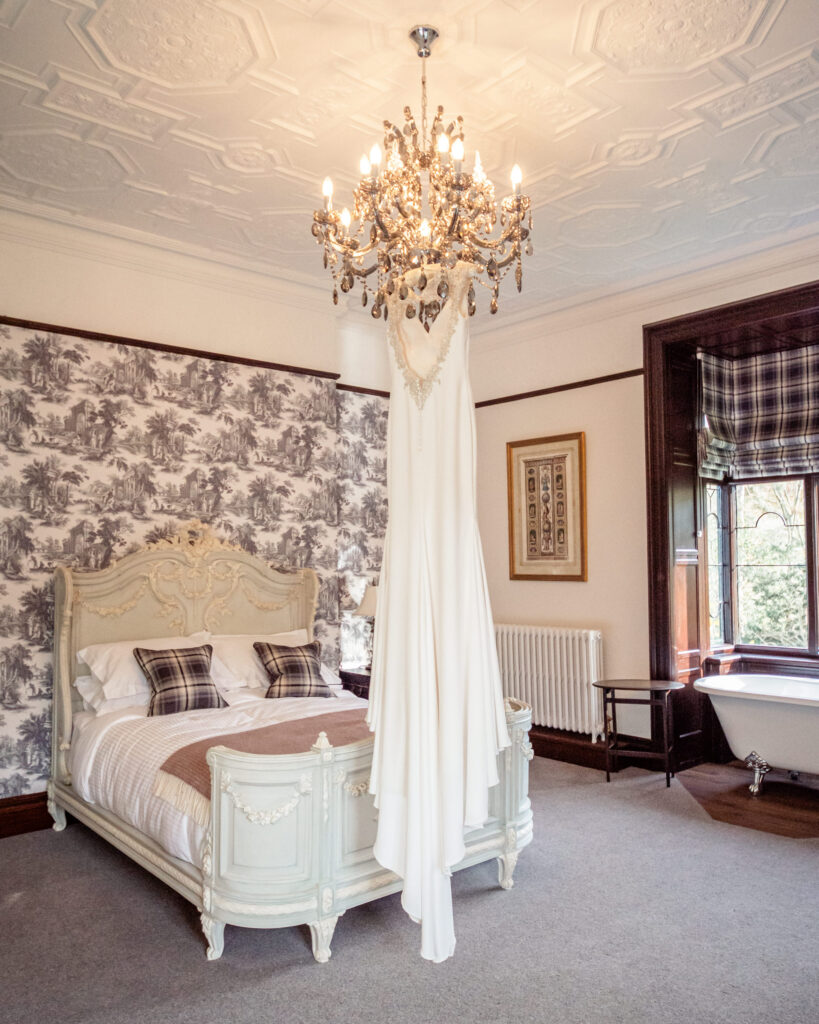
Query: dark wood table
point(658, 695)
point(356, 680)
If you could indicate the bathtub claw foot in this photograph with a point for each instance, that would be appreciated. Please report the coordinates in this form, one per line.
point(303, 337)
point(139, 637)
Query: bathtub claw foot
point(760, 768)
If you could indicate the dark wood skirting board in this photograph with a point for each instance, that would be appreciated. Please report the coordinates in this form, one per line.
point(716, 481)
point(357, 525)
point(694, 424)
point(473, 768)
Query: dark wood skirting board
point(19, 814)
point(572, 747)
point(577, 748)
point(160, 347)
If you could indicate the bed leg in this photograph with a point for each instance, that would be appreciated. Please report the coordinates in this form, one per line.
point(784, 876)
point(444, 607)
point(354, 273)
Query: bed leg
point(508, 859)
point(215, 934)
point(506, 868)
point(321, 933)
point(56, 812)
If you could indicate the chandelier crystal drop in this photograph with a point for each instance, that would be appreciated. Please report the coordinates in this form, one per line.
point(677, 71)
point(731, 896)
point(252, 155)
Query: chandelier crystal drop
point(415, 208)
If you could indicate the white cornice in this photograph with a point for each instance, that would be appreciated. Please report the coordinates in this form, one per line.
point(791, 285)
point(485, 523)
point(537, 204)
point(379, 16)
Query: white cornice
point(137, 251)
point(798, 255)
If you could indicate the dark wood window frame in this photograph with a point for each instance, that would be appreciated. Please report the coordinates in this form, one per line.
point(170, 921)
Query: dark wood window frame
point(678, 627)
point(727, 490)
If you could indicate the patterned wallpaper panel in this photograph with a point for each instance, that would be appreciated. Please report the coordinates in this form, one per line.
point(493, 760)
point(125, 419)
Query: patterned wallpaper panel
point(362, 470)
point(104, 447)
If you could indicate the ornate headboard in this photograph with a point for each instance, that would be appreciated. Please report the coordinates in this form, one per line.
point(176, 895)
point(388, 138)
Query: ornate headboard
point(190, 582)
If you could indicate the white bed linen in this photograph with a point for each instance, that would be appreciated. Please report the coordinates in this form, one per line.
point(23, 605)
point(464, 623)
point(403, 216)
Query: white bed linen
point(114, 758)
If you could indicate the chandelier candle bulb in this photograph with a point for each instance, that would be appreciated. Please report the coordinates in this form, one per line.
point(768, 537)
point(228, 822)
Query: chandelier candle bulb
point(516, 177)
point(364, 167)
point(477, 171)
point(327, 192)
point(458, 154)
point(375, 159)
point(345, 217)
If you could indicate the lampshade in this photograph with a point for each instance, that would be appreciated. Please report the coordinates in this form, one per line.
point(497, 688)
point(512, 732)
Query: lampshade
point(368, 601)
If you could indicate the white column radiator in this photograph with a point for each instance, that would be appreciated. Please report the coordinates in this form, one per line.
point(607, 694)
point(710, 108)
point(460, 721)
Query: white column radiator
point(553, 669)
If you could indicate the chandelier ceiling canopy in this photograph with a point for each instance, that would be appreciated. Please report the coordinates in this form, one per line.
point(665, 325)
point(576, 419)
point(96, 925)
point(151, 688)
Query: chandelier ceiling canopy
point(417, 209)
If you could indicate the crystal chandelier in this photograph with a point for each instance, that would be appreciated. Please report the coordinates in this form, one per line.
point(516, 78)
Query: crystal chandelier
point(397, 226)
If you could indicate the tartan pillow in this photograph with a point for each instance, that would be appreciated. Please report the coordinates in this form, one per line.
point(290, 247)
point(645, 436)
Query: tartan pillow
point(180, 679)
point(293, 671)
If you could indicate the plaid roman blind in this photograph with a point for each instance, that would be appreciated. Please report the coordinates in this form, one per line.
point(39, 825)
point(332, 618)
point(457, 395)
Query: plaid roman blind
point(760, 415)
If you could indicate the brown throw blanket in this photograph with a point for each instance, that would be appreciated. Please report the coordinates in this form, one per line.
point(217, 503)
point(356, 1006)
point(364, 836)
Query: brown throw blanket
point(184, 778)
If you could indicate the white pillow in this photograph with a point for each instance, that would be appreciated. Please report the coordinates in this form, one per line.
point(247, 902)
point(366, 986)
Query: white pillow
point(243, 663)
point(90, 689)
point(119, 673)
point(332, 680)
point(93, 697)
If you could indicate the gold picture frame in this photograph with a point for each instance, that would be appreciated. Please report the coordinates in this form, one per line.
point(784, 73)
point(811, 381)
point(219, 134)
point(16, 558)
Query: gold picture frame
point(546, 479)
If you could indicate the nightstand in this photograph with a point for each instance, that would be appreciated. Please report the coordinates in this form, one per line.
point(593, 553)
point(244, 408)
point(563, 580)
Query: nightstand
point(357, 681)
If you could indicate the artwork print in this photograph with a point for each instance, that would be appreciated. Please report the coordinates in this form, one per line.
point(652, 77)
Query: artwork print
point(547, 530)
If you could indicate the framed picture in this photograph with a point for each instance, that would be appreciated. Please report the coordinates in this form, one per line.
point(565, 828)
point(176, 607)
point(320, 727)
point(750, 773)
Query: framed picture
point(547, 508)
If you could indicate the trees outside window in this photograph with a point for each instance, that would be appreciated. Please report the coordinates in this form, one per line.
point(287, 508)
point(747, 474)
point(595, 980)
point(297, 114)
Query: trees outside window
point(762, 568)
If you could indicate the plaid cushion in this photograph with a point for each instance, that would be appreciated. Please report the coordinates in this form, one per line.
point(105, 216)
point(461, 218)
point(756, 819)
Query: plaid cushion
point(180, 679)
point(293, 671)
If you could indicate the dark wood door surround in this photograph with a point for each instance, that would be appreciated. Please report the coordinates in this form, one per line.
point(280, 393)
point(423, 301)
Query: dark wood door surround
point(678, 627)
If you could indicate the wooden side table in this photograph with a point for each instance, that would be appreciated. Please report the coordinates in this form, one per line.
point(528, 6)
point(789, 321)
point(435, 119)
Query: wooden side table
point(357, 682)
point(658, 695)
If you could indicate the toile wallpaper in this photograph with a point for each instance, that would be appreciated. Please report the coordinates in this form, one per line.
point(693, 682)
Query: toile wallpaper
point(104, 447)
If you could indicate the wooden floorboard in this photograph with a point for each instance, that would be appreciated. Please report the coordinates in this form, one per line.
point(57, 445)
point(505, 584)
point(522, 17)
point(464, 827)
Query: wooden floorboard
point(782, 807)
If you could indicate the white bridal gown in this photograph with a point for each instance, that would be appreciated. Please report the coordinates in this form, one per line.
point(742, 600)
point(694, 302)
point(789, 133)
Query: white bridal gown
point(436, 704)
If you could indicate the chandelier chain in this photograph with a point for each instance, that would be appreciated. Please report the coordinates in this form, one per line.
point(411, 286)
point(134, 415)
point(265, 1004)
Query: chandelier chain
point(424, 102)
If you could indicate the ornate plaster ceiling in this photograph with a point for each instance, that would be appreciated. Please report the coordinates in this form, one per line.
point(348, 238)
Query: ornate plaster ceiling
point(651, 133)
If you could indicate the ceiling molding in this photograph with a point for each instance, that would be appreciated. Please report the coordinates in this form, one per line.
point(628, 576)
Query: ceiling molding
point(144, 255)
point(652, 141)
point(799, 258)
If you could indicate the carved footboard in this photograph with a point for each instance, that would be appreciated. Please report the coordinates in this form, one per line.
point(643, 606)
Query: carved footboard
point(291, 837)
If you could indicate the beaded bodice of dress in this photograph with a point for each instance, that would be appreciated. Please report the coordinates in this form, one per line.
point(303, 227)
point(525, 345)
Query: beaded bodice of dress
point(420, 354)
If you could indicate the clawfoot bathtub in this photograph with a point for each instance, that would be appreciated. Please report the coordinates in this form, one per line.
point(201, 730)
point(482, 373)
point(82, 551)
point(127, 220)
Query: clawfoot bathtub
point(769, 721)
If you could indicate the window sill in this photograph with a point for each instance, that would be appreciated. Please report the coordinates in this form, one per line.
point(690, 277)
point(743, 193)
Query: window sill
point(792, 663)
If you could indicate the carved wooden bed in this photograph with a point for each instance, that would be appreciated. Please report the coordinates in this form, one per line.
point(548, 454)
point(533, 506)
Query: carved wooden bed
point(261, 868)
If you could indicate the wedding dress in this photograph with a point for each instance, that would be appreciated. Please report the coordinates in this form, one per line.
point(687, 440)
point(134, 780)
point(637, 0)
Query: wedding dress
point(436, 704)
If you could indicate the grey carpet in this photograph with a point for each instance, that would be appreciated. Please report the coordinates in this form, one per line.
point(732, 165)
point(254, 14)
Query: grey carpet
point(630, 906)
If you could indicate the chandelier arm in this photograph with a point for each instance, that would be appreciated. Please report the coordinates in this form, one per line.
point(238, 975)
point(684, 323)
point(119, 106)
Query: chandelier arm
point(392, 235)
point(501, 264)
point(493, 244)
point(344, 249)
point(389, 234)
point(341, 248)
point(400, 207)
point(490, 245)
point(362, 271)
point(362, 250)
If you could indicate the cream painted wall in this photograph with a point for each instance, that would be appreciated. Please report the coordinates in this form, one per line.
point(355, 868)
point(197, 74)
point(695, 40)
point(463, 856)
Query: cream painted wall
point(606, 336)
point(74, 278)
point(615, 597)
